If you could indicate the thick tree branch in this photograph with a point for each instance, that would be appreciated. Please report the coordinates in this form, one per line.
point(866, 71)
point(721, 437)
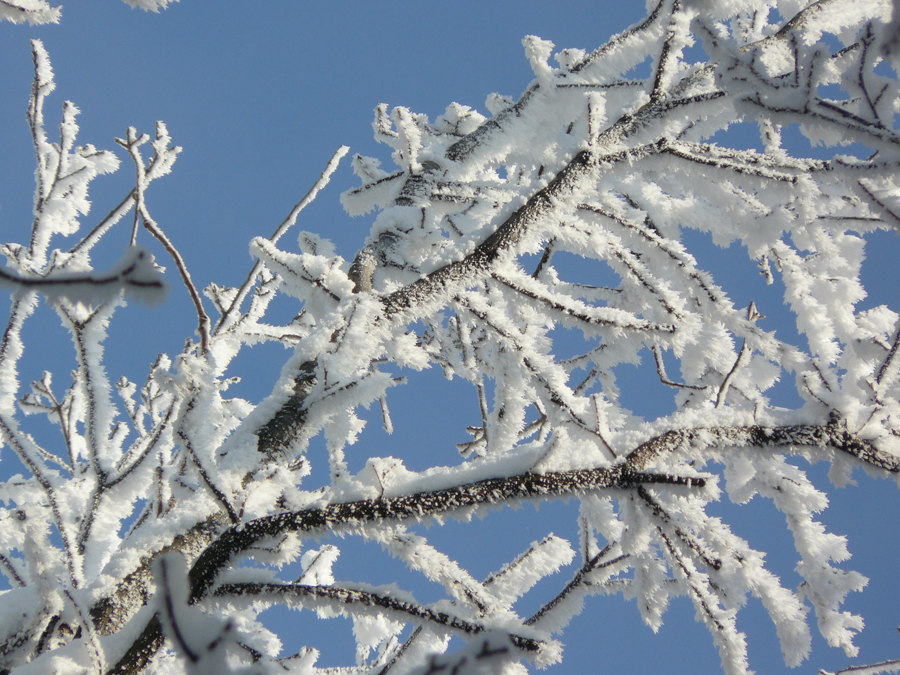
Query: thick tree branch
point(628, 475)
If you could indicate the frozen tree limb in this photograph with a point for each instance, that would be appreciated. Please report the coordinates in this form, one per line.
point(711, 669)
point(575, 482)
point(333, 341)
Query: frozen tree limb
point(154, 538)
point(135, 274)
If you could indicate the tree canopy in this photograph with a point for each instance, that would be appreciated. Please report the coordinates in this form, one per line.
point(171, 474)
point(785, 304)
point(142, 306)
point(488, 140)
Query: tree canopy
point(529, 251)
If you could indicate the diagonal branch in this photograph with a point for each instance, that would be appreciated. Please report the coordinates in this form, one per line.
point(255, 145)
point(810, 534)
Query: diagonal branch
point(598, 316)
point(581, 578)
point(227, 318)
point(570, 181)
point(336, 597)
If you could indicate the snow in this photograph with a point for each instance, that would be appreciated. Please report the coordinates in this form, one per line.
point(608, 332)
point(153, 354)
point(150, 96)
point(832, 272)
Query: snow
point(32, 11)
point(200, 508)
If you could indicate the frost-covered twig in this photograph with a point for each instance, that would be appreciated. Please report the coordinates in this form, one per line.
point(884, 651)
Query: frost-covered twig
point(228, 316)
point(336, 597)
point(582, 578)
point(594, 163)
point(136, 274)
point(161, 163)
point(33, 12)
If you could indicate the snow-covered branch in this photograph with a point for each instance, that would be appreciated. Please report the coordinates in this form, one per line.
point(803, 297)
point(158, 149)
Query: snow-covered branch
point(167, 516)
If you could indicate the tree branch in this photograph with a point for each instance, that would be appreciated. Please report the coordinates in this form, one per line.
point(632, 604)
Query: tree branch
point(336, 597)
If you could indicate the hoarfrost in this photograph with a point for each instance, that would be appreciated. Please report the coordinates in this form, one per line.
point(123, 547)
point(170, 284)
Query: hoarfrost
point(169, 516)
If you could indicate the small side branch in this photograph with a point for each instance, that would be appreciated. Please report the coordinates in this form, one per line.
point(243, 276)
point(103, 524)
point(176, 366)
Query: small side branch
point(145, 174)
point(401, 650)
point(834, 435)
point(204, 474)
point(709, 559)
point(664, 377)
point(892, 666)
point(336, 597)
point(228, 316)
point(596, 316)
point(580, 579)
point(202, 317)
point(726, 383)
point(663, 64)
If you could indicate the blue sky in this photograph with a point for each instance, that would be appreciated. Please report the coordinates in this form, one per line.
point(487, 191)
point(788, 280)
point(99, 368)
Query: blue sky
point(260, 99)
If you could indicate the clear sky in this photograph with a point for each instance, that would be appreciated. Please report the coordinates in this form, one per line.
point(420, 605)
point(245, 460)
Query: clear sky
point(260, 94)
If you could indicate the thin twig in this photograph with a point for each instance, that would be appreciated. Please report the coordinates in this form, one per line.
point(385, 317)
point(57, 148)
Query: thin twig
point(202, 317)
point(228, 317)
